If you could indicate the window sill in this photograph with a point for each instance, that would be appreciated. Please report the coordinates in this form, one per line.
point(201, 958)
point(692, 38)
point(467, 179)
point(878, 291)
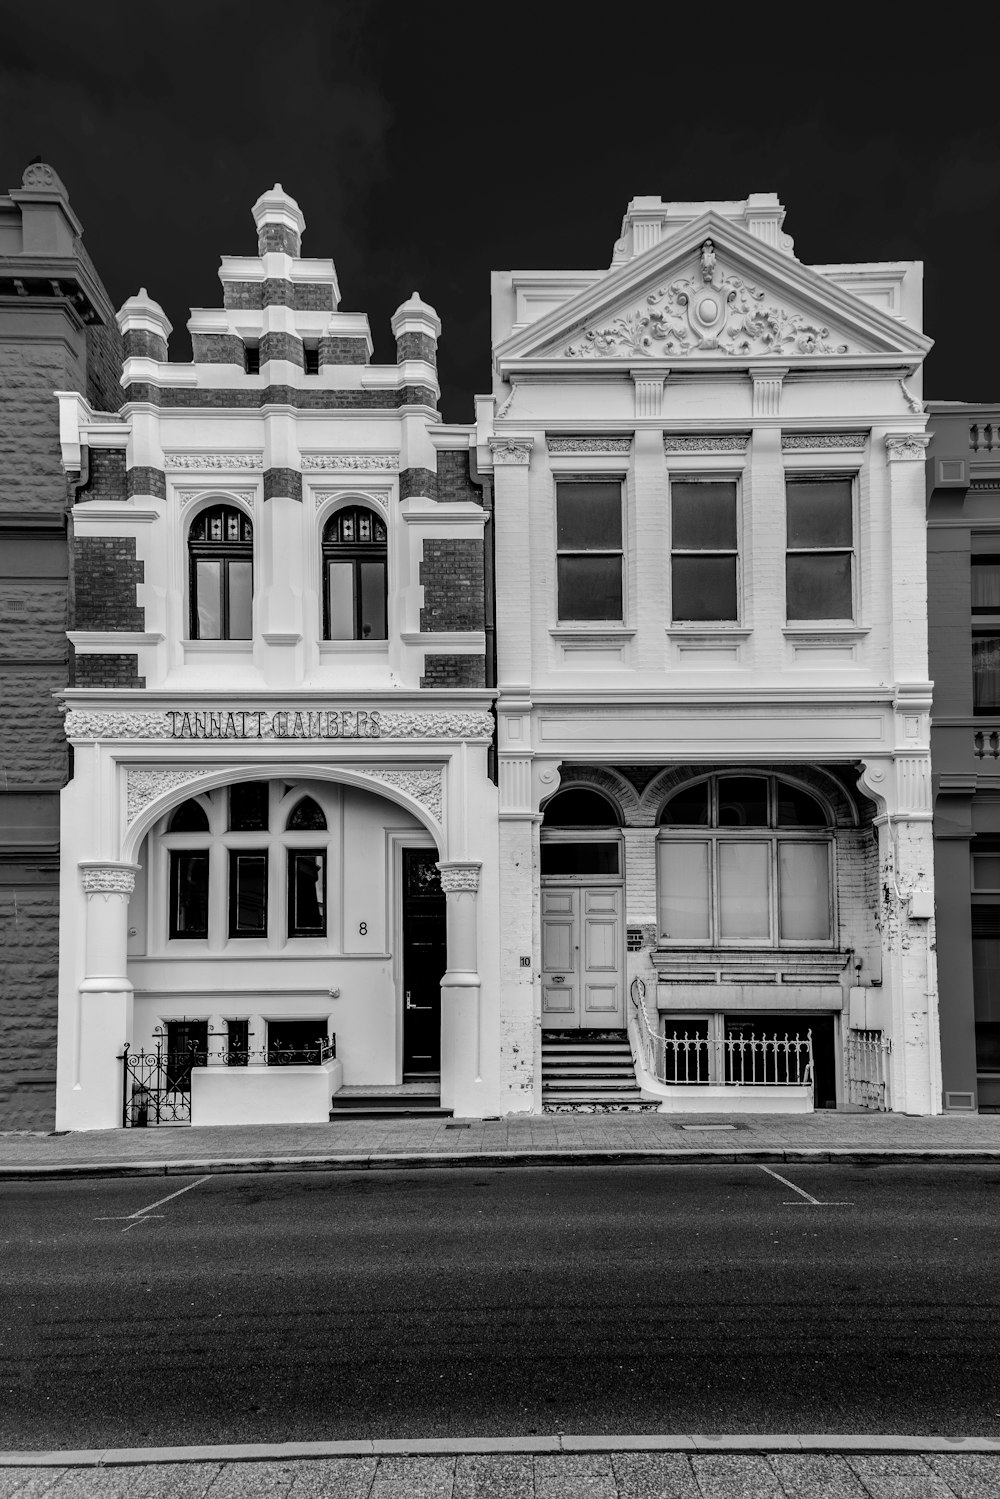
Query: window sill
point(708, 631)
point(342, 647)
point(831, 629)
point(595, 631)
point(210, 647)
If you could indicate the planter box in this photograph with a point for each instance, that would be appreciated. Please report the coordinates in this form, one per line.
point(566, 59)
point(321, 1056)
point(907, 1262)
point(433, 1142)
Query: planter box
point(264, 1095)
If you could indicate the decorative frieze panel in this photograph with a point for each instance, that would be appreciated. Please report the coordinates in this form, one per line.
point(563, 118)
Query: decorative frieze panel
point(723, 442)
point(320, 462)
point(214, 460)
point(107, 879)
point(589, 444)
point(423, 786)
point(794, 442)
point(707, 312)
point(281, 725)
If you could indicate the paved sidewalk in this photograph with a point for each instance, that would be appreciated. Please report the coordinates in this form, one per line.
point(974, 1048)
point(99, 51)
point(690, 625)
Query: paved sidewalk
point(592, 1475)
point(520, 1139)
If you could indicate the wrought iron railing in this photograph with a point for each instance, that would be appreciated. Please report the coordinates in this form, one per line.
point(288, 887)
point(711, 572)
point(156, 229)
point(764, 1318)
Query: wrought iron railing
point(867, 1057)
point(735, 1061)
point(156, 1085)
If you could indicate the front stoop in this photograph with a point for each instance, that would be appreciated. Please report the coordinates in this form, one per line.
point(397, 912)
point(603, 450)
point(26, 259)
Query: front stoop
point(402, 1101)
point(590, 1072)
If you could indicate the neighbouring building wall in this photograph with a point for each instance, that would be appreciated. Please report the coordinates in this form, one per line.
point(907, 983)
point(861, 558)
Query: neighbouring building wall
point(57, 332)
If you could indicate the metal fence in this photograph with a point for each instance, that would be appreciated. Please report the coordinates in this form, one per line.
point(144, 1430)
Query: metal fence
point(735, 1061)
point(867, 1070)
point(156, 1085)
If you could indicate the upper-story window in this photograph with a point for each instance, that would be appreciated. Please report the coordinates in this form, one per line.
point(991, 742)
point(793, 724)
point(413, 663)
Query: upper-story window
point(745, 859)
point(986, 634)
point(354, 575)
point(704, 550)
point(220, 549)
point(589, 557)
point(819, 562)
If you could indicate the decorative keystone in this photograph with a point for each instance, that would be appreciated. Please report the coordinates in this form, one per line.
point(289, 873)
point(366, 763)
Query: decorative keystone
point(280, 222)
point(145, 327)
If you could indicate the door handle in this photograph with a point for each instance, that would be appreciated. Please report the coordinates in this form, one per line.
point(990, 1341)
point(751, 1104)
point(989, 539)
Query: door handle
point(559, 978)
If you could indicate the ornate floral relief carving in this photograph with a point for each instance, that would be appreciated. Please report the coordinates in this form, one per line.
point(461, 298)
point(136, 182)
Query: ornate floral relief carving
point(469, 725)
point(144, 786)
point(108, 879)
point(459, 878)
point(508, 450)
point(213, 460)
point(719, 314)
point(589, 444)
point(906, 445)
point(248, 496)
point(423, 786)
point(320, 461)
point(792, 442)
point(725, 442)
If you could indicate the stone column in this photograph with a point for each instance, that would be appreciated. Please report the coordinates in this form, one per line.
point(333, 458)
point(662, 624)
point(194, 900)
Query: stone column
point(461, 986)
point(104, 1018)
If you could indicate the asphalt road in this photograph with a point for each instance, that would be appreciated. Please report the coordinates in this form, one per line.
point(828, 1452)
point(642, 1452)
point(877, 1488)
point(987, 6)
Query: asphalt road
point(455, 1303)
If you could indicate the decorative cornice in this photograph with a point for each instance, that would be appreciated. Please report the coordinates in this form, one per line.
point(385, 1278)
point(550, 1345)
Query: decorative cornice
point(471, 724)
point(512, 450)
point(589, 444)
point(903, 446)
point(460, 877)
point(316, 462)
point(108, 879)
point(213, 460)
point(724, 442)
point(793, 442)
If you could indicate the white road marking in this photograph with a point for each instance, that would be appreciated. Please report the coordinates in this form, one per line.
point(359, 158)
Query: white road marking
point(812, 1201)
point(132, 1218)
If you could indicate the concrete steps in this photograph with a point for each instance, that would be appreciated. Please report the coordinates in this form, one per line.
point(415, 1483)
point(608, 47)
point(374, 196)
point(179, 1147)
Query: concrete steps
point(406, 1100)
point(589, 1072)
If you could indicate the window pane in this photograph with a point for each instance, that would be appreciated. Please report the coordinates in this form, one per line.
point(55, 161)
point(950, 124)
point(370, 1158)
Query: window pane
point(307, 814)
point(689, 808)
point(295, 1042)
point(579, 858)
point(742, 802)
point(744, 904)
point(684, 891)
point(340, 600)
point(248, 807)
point(986, 673)
point(685, 1049)
point(590, 587)
point(797, 809)
point(704, 516)
point(208, 597)
point(247, 894)
point(189, 893)
point(804, 892)
point(240, 600)
point(190, 817)
point(373, 601)
point(580, 808)
point(819, 587)
point(987, 1046)
point(703, 587)
point(306, 894)
point(985, 585)
point(819, 512)
point(589, 517)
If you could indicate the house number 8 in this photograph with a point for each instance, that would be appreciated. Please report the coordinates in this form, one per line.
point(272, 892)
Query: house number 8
point(363, 928)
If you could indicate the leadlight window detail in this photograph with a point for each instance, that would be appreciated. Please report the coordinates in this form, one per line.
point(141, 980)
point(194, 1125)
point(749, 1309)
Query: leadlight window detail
point(220, 556)
point(589, 554)
point(355, 559)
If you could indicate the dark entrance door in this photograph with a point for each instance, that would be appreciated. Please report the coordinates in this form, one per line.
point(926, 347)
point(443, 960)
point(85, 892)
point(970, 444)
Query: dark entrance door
point(425, 956)
point(795, 1028)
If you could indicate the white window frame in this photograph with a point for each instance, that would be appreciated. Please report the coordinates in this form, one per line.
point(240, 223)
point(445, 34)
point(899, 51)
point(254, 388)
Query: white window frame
point(796, 475)
point(705, 476)
point(591, 476)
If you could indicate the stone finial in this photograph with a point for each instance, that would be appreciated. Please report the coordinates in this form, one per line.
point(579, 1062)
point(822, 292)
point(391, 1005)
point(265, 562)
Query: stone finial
point(145, 327)
point(280, 222)
point(417, 328)
point(40, 177)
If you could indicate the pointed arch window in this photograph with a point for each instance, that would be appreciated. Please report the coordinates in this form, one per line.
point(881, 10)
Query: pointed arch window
point(220, 552)
point(354, 575)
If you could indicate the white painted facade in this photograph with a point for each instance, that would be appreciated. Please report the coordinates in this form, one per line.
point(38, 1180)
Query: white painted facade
point(392, 766)
point(709, 353)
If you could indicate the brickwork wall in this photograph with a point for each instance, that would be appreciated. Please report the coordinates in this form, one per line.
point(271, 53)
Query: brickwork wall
point(303, 296)
point(454, 671)
point(343, 351)
point(106, 573)
point(281, 346)
point(108, 670)
point(454, 480)
point(452, 575)
point(140, 343)
point(422, 481)
point(217, 348)
point(285, 395)
point(243, 296)
point(416, 346)
point(282, 481)
point(105, 354)
point(30, 456)
point(149, 481)
point(106, 479)
point(29, 965)
point(273, 238)
point(33, 745)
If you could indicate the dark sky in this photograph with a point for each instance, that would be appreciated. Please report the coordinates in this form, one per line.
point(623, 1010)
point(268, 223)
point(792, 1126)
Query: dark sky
point(428, 144)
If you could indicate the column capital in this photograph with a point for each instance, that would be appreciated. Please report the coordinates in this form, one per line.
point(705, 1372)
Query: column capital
point(512, 451)
point(459, 876)
point(108, 876)
point(906, 446)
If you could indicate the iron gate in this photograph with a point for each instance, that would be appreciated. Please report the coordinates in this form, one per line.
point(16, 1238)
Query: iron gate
point(156, 1086)
point(867, 1057)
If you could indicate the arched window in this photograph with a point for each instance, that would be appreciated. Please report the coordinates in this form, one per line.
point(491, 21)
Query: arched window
point(354, 575)
point(189, 818)
point(220, 549)
point(307, 815)
point(579, 835)
point(580, 807)
point(745, 860)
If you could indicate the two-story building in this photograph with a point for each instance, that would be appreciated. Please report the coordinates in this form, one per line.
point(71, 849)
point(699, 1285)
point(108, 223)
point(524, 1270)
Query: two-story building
point(963, 539)
point(715, 795)
point(279, 873)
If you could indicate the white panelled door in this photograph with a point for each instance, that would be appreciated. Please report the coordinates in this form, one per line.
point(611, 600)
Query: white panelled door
point(582, 981)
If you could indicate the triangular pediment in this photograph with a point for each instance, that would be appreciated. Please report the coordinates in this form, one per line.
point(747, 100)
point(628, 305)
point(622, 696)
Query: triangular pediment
point(713, 293)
